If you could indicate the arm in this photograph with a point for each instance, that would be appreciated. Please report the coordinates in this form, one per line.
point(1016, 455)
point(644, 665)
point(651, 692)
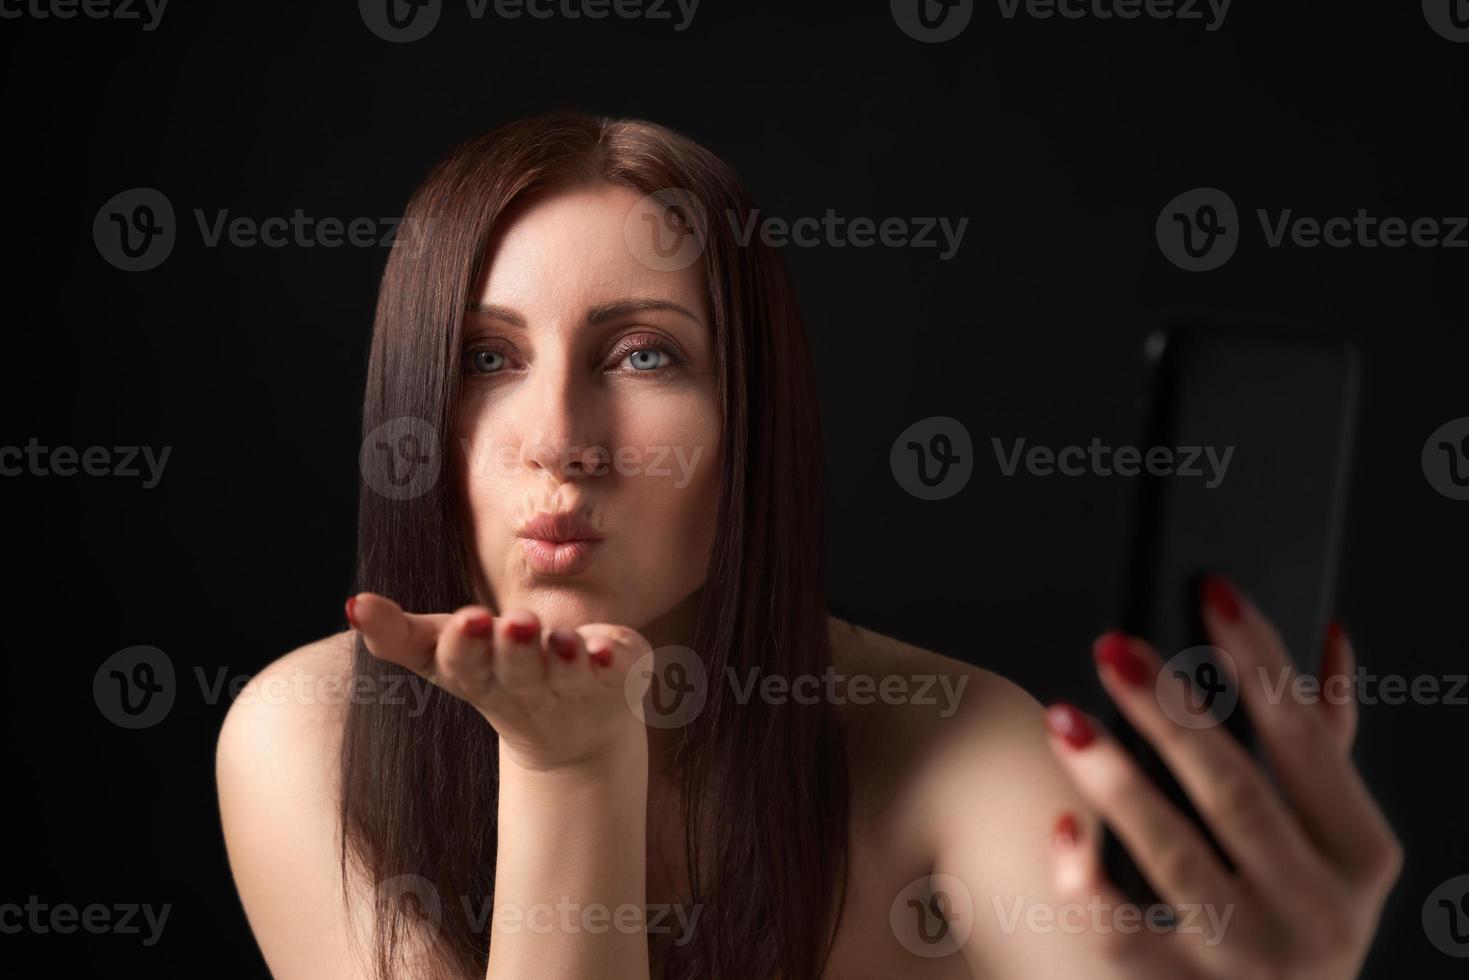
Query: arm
point(275, 766)
point(569, 888)
point(570, 874)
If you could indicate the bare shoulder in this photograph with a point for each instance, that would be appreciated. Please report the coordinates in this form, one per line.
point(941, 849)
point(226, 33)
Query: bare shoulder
point(901, 693)
point(945, 750)
point(289, 711)
point(953, 775)
point(276, 773)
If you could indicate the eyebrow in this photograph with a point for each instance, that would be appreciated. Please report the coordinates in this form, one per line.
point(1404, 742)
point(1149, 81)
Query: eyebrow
point(601, 313)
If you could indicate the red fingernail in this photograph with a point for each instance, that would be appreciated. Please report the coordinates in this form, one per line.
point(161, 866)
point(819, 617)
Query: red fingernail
point(1334, 631)
point(1067, 831)
point(523, 632)
point(479, 625)
point(1115, 650)
point(601, 656)
point(1221, 595)
point(563, 644)
point(351, 611)
point(1067, 723)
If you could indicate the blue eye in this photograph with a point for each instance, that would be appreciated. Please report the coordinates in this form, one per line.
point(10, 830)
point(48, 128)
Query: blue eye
point(645, 353)
point(487, 361)
point(648, 359)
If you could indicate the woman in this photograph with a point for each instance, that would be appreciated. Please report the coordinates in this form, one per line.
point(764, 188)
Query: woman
point(628, 517)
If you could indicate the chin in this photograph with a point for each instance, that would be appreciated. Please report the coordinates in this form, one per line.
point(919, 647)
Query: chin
point(562, 601)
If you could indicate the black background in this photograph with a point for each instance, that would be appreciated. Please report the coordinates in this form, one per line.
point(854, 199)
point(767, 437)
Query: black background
point(1060, 141)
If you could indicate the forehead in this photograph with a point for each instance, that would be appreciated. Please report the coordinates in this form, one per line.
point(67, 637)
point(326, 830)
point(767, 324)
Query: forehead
point(569, 248)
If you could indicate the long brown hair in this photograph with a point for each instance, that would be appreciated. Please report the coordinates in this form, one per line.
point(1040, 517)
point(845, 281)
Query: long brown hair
point(764, 787)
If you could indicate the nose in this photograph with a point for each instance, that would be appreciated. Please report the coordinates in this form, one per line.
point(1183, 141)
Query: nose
point(558, 440)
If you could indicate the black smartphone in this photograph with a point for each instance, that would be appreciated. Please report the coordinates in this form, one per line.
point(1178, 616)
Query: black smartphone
point(1268, 420)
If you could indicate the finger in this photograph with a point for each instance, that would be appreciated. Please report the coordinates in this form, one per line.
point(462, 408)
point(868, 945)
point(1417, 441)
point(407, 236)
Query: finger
point(391, 634)
point(1079, 881)
point(1224, 783)
point(465, 658)
point(612, 650)
point(1338, 694)
point(1322, 786)
point(520, 665)
point(1168, 848)
point(568, 671)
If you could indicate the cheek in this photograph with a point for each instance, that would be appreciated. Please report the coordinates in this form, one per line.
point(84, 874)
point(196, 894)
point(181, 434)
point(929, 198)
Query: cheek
point(486, 464)
point(667, 486)
point(672, 446)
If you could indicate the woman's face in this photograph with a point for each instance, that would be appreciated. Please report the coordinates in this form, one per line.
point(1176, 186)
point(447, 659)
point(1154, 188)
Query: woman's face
point(589, 391)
